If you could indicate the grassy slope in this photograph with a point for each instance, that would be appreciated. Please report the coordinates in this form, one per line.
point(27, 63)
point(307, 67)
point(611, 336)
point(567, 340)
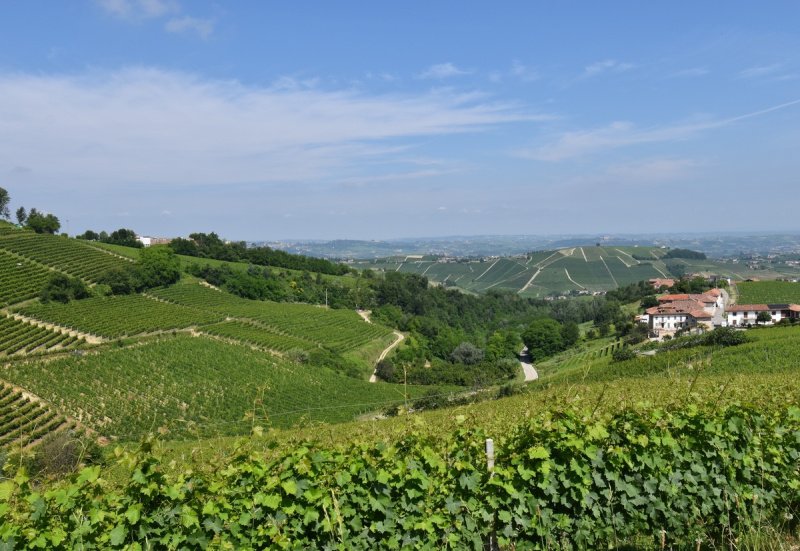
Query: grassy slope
point(590, 268)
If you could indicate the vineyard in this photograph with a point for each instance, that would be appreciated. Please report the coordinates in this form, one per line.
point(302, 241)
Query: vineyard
point(257, 336)
point(339, 330)
point(117, 316)
point(24, 419)
point(194, 386)
point(18, 337)
point(20, 279)
point(678, 479)
point(67, 255)
point(768, 292)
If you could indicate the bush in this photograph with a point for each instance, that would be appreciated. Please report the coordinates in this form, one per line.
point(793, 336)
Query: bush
point(385, 370)
point(725, 336)
point(62, 288)
point(622, 354)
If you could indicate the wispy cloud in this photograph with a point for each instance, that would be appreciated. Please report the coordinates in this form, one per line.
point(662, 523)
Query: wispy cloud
point(443, 70)
point(154, 126)
point(139, 9)
point(203, 27)
point(760, 71)
point(622, 134)
point(606, 66)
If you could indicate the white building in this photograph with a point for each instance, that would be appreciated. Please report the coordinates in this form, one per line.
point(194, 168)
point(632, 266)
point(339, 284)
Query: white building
point(747, 314)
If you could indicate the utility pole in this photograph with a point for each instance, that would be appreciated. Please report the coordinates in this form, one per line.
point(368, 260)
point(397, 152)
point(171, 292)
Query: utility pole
point(326, 297)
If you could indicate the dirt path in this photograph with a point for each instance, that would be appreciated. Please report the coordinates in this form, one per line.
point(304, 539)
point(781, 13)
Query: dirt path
point(527, 366)
point(374, 377)
point(572, 280)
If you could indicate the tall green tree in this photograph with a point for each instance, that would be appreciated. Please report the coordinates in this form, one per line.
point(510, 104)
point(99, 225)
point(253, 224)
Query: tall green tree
point(22, 216)
point(543, 338)
point(43, 223)
point(158, 266)
point(5, 199)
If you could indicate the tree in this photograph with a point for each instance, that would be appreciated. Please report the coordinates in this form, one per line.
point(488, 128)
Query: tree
point(124, 237)
point(649, 301)
point(158, 267)
point(763, 317)
point(89, 235)
point(570, 333)
point(121, 281)
point(22, 216)
point(43, 223)
point(543, 338)
point(466, 353)
point(5, 199)
point(62, 288)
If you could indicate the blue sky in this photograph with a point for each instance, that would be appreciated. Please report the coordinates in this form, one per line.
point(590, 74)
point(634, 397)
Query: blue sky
point(270, 120)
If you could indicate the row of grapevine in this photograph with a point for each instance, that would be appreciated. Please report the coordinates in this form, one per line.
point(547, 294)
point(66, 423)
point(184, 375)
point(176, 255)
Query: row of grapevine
point(18, 337)
point(118, 316)
point(339, 330)
point(24, 419)
point(64, 254)
point(20, 279)
point(196, 386)
point(258, 336)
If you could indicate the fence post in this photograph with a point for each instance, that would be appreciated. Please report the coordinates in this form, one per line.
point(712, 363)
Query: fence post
point(491, 544)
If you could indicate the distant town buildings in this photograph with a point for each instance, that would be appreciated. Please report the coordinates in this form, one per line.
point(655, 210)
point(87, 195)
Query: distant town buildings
point(148, 241)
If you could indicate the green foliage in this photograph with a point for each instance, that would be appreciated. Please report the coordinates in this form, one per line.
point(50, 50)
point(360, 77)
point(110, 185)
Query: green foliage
point(768, 292)
point(622, 354)
point(211, 246)
point(122, 236)
point(467, 353)
point(62, 288)
point(560, 480)
point(42, 223)
point(20, 279)
point(763, 317)
point(23, 420)
point(121, 280)
point(158, 267)
point(685, 253)
point(22, 216)
point(543, 338)
point(5, 199)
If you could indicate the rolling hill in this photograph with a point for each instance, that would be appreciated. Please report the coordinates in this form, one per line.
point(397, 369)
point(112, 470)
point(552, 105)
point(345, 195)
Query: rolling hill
point(573, 270)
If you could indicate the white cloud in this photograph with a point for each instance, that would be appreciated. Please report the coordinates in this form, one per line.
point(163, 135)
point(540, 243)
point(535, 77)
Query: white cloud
point(622, 134)
point(443, 70)
point(160, 127)
point(606, 66)
point(651, 170)
point(524, 73)
point(139, 9)
point(203, 27)
point(760, 71)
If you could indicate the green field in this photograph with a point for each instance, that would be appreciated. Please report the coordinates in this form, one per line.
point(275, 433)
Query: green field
point(768, 292)
point(194, 386)
point(23, 419)
point(17, 337)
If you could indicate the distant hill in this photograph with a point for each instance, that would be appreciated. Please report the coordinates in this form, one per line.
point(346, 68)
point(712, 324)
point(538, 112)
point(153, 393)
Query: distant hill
point(581, 269)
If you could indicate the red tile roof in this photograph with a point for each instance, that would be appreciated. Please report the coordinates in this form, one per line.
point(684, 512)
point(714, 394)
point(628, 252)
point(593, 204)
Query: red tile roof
point(749, 308)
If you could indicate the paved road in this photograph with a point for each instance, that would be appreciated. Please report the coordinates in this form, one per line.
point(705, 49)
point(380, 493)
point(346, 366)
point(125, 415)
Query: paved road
point(527, 366)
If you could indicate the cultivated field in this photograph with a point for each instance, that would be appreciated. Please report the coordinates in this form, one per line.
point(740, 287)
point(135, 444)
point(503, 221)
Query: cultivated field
point(768, 292)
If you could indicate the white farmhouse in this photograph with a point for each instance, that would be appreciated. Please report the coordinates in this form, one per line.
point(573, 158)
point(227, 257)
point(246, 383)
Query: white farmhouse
point(742, 315)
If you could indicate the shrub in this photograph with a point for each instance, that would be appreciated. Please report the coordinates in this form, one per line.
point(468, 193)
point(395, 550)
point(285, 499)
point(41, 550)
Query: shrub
point(62, 288)
point(622, 354)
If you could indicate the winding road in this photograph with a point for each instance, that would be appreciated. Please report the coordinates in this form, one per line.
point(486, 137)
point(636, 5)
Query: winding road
point(374, 377)
point(527, 366)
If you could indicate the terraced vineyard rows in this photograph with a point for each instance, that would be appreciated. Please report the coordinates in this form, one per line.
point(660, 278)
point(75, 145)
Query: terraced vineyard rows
point(24, 419)
point(67, 255)
point(18, 337)
point(339, 330)
point(193, 385)
point(20, 279)
point(258, 336)
point(118, 316)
